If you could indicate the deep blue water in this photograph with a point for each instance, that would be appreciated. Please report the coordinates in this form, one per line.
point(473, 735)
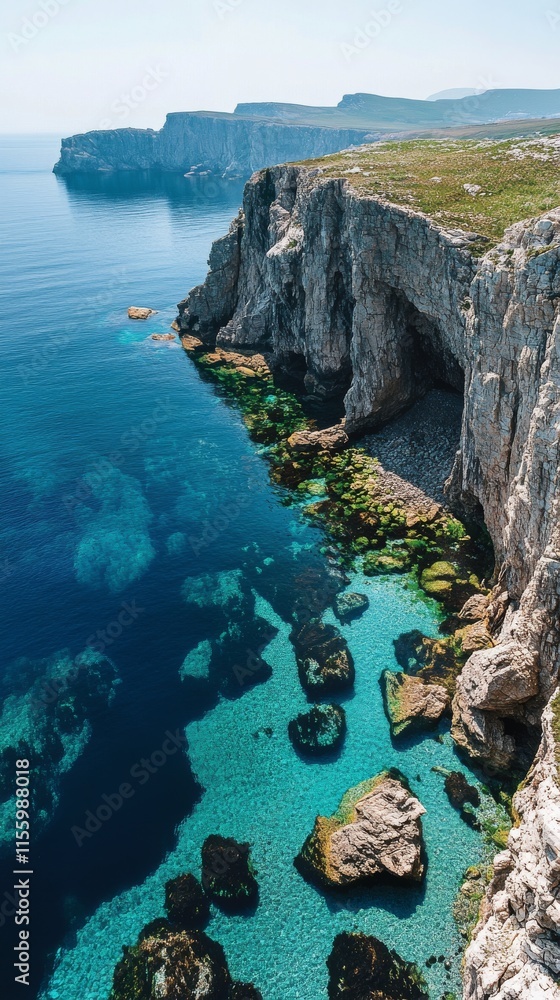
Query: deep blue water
point(127, 479)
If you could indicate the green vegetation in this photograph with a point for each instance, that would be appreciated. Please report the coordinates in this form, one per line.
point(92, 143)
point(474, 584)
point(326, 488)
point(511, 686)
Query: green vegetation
point(516, 179)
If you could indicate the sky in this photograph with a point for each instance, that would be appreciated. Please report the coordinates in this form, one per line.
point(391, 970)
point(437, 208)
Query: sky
point(69, 66)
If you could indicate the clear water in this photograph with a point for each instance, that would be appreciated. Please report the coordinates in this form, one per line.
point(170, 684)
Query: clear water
point(116, 461)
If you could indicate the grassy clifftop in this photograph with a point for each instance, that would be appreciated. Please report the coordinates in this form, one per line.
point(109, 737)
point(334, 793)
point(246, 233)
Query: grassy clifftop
point(478, 186)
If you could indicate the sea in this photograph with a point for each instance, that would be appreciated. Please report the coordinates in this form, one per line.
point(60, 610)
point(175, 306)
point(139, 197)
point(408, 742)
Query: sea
point(139, 530)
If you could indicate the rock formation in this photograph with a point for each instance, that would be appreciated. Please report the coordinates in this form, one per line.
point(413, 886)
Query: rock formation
point(350, 606)
point(198, 143)
point(377, 302)
point(186, 904)
point(363, 968)
point(412, 704)
point(325, 663)
point(516, 949)
point(166, 965)
point(375, 830)
point(228, 875)
point(319, 731)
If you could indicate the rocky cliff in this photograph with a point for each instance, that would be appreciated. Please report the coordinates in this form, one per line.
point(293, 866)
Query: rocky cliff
point(229, 145)
point(377, 302)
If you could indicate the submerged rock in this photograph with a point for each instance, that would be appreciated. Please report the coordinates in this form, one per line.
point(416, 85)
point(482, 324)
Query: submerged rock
point(324, 661)
point(350, 606)
point(411, 703)
point(186, 903)
point(320, 730)
point(363, 968)
point(228, 875)
point(376, 830)
point(136, 312)
point(386, 562)
point(170, 965)
point(459, 792)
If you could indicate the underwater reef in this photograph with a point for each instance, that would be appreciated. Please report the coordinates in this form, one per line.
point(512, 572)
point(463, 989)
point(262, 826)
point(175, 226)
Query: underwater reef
point(46, 719)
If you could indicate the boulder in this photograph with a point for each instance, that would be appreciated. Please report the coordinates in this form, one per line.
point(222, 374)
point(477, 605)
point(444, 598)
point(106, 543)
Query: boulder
point(228, 875)
point(458, 790)
point(319, 731)
point(135, 312)
point(411, 703)
point(363, 968)
point(350, 606)
point(331, 439)
point(185, 902)
point(324, 661)
point(163, 336)
point(169, 964)
point(191, 343)
point(375, 831)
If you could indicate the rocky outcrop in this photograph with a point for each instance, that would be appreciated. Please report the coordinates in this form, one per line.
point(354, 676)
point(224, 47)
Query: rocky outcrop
point(186, 904)
point(411, 704)
point(202, 142)
point(378, 302)
point(349, 606)
point(376, 830)
point(516, 949)
point(362, 967)
point(228, 875)
point(319, 731)
point(166, 965)
point(324, 661)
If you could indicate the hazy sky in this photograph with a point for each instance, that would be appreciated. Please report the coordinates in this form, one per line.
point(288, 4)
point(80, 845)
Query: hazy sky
point(72, 65)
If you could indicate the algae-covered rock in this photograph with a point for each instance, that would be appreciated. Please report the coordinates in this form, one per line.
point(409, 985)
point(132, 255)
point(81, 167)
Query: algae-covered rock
point(319, 731)
point(185, 902)
point(388, 561)
point(350, 606)
point(186, 965)
point(411, 703)
point(324, 661)
point(363, 968)
point(439, 580)
point(436, 661)
point(228, 875)
point(376, 830)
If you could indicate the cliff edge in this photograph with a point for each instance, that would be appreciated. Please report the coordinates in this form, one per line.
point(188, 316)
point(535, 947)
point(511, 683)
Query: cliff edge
point(376, 301)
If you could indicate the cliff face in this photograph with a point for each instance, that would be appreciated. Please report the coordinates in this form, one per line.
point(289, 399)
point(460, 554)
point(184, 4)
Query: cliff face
point(226, 144)
point(377, 301)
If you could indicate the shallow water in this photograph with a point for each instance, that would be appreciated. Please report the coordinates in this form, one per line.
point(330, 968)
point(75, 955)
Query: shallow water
point(125, 478)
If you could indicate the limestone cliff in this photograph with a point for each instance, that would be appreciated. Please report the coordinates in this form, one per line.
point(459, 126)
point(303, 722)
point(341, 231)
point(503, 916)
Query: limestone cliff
point(229, 145)
point(376, 301)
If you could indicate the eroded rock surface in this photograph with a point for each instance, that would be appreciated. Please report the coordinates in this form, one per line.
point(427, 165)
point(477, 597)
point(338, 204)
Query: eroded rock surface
point(516, 950)
point(376, 830)
point(412, 704)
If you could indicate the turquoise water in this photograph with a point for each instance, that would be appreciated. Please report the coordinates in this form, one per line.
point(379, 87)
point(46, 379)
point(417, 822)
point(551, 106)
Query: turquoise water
point(126, 479)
